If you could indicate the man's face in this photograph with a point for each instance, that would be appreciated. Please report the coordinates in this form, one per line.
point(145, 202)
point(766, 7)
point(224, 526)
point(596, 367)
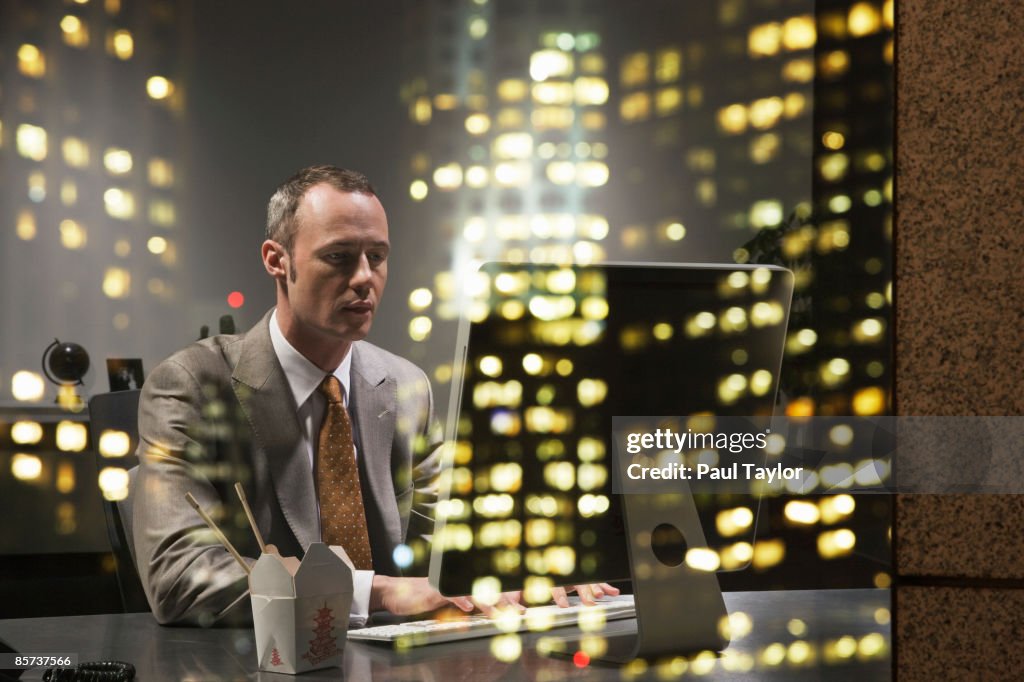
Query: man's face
point(337, 268)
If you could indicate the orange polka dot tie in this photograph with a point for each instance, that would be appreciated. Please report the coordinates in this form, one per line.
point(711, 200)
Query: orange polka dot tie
point(342, 515)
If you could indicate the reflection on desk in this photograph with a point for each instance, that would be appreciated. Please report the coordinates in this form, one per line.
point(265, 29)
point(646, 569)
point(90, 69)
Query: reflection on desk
point(792, 635)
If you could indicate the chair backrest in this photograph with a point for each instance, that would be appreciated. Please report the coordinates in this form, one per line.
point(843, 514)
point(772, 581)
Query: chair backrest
point(119, 411)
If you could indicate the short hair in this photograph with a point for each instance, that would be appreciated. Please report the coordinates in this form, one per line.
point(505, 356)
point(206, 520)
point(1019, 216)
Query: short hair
point(284, 204)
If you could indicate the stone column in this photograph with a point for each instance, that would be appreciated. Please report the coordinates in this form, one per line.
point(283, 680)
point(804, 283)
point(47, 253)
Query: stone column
point(959, 321)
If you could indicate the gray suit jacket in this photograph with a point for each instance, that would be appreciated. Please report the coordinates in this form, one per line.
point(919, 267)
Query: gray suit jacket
point(220, 411)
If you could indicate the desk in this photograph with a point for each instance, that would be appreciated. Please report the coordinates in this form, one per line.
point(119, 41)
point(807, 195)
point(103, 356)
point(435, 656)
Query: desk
point(845, 636)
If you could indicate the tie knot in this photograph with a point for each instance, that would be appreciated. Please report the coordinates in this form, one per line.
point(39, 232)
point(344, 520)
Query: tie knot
point(331, 388)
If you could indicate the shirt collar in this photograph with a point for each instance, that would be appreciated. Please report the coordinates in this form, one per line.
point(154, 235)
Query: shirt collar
point(303, 376)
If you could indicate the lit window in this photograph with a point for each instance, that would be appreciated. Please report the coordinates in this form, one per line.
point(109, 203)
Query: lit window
point(161, 212)
point(798, 33)
point(510, 118)
point(764, 40)
point(117, 283)
point(156, 245)
point(764, 148)
point(587, 41)
point(478, 124)
point(477, 28)
point(512, 90)
point(420, 110)
point(476, 177)
point(117, 161)
point(798, 71)
point(546, 64)
point(36, 186)
point(592, 63)
point(701, 159)
point(76, 152)
point(552, 93)
point(74, 30)
point(591, 90)
point(513, 146)
point(546, 118)
point(668, 64)
point(593, 120)
point(764, 113)
point(68, 192)
point(591, 174)
point(445, 102)
point(707, 192)
point(794, 105)
point(159, 87)
point(635, 69)
point(31, 142)
point(733, 119)
point(833, 166)
point(635, 107)
point(448, 177)
point(833, 24)
point(834, 64)
point(667, 101)
point(833, 139)
point(120, 44)
point(27, 386)
point(767, 213)
point(72, 235)
point(561, 172)
point(418, 190)
point(512, 174)
point(864, 19)
point(25, 227)
point(161, 172)
point(31, 61)
point(119, 203)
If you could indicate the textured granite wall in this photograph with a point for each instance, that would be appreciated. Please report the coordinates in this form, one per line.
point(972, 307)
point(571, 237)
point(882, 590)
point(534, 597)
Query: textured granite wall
point(959, 320)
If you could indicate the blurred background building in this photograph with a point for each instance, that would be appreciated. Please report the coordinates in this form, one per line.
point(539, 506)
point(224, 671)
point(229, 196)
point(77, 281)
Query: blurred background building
point(139, 142)
point(753, 132)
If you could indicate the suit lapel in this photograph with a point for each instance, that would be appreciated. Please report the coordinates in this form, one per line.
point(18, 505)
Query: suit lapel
point(374, 403)
point(262, 389)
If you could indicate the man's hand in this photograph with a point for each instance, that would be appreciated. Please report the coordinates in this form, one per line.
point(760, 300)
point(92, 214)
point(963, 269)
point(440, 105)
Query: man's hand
point(411, 596)
point(588, 593)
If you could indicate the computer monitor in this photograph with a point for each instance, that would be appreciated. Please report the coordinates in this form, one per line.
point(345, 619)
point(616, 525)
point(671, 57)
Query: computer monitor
point(546, 356)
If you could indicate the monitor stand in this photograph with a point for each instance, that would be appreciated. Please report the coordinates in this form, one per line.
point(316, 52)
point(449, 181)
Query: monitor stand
point(679, 609)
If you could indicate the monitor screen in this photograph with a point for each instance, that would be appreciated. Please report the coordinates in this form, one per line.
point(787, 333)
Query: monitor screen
point(549, 355)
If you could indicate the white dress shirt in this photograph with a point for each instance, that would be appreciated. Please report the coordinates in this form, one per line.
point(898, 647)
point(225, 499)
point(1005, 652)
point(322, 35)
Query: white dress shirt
point(304, 378)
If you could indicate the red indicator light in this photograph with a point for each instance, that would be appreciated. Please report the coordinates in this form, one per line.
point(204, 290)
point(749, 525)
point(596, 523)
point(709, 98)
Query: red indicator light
point(581, 659)
point(236, 299)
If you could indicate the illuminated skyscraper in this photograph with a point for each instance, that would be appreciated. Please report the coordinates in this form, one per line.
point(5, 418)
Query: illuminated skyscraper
point(750, 130)
point(91, 154)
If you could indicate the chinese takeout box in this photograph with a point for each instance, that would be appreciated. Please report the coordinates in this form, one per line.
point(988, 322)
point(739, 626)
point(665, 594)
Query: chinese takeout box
point(300, 609)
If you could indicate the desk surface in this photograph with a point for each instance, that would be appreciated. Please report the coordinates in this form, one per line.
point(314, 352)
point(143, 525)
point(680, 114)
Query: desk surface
point(793, 635)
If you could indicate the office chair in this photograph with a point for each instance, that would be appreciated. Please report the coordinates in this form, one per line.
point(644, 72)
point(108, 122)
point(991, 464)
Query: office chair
point(119, 411)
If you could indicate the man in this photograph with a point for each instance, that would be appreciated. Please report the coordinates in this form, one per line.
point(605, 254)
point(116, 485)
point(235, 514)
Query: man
point(338, 444)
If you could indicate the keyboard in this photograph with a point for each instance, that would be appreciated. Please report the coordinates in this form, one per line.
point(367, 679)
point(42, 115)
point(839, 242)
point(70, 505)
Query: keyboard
point(536, 618)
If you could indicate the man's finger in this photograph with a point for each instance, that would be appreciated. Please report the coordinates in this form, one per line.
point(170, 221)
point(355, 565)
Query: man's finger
point(609, 589)
point(558, 594)
point(464, 603)
point(511, 599)
point(586, 594)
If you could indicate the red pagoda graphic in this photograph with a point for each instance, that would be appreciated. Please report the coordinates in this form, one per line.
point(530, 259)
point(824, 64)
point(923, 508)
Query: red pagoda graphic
point(275, 658)
point(323, 645)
